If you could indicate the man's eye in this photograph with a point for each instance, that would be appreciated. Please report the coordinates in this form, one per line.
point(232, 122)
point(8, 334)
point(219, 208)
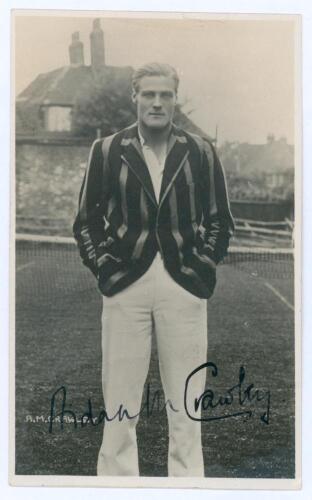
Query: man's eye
point(167, 95)
point(150, 95)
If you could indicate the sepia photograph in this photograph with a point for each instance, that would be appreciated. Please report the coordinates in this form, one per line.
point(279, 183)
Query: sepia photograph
point(155, 234)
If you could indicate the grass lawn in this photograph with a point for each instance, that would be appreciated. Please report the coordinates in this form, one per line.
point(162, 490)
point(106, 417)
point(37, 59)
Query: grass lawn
point(58, 343)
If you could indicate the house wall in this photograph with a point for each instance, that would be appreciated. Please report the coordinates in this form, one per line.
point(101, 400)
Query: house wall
point(48, 180)
point(49, 174)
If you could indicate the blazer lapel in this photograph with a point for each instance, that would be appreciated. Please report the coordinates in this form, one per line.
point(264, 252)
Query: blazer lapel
point(177, 153)
point(133, 156)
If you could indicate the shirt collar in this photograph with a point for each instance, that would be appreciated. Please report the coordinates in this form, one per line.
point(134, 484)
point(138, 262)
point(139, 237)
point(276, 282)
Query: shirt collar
point(143, 141)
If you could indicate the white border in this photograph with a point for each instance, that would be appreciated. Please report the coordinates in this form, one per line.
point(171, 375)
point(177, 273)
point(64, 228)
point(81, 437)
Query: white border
point(260, 6)
point(158, 482)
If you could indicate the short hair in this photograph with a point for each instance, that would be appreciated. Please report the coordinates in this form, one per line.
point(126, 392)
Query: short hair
point(154, 69)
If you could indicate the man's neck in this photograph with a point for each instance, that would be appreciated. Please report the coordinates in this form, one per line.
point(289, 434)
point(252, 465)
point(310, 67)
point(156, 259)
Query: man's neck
point(155, 137)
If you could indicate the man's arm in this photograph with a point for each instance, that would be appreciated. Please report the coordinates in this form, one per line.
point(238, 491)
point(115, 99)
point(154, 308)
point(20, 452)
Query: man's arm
point(89, 225)
point(218, 221)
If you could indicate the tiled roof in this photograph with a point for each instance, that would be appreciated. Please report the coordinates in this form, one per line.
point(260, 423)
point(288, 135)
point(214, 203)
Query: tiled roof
point(277, 155)
point(253, 159)
point(63, 87)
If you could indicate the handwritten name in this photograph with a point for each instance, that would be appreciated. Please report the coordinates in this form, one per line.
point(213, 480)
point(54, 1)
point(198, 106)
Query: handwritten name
point(203, 408)
point(242, 394)
point(151, 404)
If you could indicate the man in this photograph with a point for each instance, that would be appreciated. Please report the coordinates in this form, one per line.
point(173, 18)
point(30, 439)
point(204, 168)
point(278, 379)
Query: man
point(153, 223)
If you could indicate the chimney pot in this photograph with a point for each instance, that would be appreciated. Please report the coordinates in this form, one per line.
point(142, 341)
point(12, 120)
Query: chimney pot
point(76, 56)
point(97, 46)
point(97, 24)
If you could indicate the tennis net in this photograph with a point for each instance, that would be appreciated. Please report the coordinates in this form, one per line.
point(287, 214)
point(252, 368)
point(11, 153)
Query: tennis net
point(53, 264)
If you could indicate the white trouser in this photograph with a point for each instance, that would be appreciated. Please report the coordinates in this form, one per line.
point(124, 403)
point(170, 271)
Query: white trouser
point(180, 322)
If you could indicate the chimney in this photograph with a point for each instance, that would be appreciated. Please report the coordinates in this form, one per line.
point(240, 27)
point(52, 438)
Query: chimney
point(270, 138)
point(76, 50)
point(97, 45)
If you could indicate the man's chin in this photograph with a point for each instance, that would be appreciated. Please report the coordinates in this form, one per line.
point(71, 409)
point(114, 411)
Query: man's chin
point(154, 125)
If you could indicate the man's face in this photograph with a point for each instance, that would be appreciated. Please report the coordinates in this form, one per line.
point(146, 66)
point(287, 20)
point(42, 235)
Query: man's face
point(155, 100)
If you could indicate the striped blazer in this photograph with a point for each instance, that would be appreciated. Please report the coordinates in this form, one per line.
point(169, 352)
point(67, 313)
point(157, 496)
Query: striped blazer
point(120, 226)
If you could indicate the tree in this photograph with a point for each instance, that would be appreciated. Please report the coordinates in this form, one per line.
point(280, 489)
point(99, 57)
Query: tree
point(106, 106)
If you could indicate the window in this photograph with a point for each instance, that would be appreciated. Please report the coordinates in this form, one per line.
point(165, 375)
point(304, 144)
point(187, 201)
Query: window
point(58, 118)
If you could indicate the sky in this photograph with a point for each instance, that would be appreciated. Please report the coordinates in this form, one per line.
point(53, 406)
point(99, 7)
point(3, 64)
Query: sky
point(238, 75)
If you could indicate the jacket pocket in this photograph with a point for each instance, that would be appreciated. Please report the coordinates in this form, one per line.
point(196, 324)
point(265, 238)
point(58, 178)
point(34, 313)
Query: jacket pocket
point(208, 272)
point(109, 273)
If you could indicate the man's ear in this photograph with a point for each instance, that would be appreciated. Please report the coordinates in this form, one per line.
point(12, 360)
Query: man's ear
point(133, 96)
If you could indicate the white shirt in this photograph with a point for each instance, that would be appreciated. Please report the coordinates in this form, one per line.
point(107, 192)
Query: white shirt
point(155, 165)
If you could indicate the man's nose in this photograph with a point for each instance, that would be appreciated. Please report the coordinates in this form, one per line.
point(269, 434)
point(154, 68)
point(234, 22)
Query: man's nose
point(157, 102)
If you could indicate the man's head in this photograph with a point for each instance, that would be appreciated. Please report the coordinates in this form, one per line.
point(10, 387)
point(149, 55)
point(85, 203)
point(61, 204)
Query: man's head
point(155, 88)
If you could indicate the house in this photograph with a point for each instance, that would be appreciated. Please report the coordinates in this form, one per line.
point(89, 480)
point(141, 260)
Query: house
point(276, 155)
point(45, 108)
point(50, 155)
point(259, 171)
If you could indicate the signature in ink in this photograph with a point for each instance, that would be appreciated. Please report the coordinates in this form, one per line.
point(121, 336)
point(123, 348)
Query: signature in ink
point(240, 394)
point(58, 401)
